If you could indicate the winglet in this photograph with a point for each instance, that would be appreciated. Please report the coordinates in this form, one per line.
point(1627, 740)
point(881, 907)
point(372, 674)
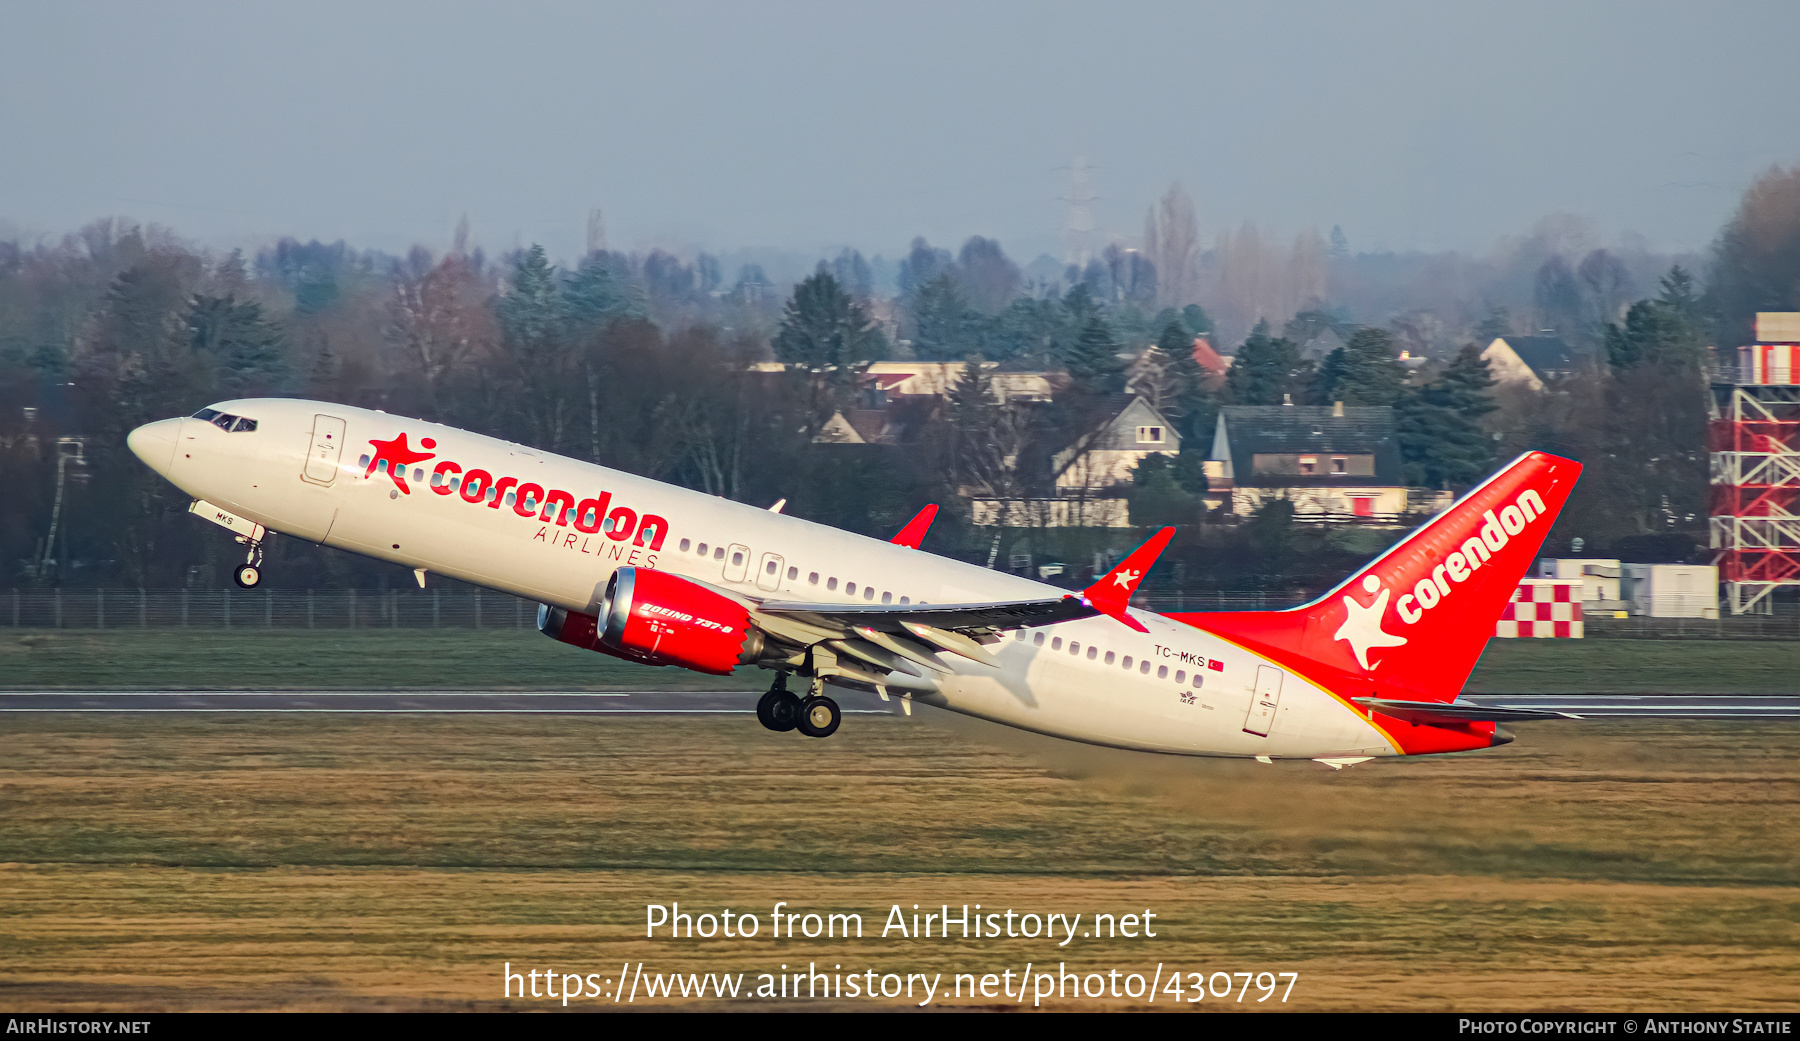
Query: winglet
point(1113, 591)
point(914, 532)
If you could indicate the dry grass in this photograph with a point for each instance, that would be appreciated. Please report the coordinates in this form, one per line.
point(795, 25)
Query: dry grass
point(326, 862)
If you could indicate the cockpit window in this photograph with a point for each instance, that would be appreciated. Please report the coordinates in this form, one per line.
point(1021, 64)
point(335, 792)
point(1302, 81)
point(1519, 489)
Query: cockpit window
point(226, 421)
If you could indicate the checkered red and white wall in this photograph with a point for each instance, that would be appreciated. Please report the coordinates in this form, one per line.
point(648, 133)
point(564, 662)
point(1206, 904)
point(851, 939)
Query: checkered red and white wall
point(1543, 607)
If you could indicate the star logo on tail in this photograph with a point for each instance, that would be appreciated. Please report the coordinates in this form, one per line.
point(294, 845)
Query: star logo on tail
point(398, 456)
point(1362, 625)
point(1127, 578)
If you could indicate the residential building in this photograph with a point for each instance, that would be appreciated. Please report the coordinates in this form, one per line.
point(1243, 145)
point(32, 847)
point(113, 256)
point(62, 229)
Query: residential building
point(1532, 361)
point(1333, 463)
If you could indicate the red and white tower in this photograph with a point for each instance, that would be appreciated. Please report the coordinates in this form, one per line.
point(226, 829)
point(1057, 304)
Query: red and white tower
point(1756, 465)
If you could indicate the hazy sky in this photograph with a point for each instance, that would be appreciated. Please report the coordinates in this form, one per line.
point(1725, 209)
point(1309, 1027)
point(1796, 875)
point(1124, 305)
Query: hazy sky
point(806, 126)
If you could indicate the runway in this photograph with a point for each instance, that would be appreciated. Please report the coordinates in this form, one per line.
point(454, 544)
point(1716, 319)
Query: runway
point(715, 702)
point(567, 703)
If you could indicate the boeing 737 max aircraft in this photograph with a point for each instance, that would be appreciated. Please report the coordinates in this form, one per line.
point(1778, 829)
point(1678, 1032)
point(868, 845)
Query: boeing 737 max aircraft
point(662, 575)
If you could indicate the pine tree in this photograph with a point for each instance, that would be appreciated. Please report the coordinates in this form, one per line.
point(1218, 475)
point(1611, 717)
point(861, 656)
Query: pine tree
point(822, 329)
point(1192, 405)
point(243, 345)
point(945, 324)
point(594, 297)
point(1369, 372)
point(1093, 359)
point(1263, 371)
point(531, 314)
point(1439, 424)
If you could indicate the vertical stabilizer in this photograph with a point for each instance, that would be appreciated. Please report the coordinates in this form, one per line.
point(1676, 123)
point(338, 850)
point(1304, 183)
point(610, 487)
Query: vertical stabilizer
point(1411, 625)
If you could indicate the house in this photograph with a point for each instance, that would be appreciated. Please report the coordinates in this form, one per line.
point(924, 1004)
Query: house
point(1319, 346)
point(1131, 431)
point(1531, 361)
point(1090, 477)
point(1333, 463)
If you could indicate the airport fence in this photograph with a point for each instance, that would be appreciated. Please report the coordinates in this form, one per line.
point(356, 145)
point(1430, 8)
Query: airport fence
point(456, 606)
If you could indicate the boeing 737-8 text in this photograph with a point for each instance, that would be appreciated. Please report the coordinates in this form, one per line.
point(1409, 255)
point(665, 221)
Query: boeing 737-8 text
point(662, 575)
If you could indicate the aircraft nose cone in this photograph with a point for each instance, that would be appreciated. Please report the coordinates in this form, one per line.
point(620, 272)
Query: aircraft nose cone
point(154, 443)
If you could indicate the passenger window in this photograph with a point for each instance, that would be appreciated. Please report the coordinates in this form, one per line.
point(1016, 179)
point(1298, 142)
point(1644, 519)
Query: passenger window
point(1037, 639)
point(492, 491)
point(831, 583)
point(1162, 672)
point(887, 598)
point(850, 587)
point(437, 480)
point(1144, 667)
point(736, 559)
point(1109, 657)
point(1074, 647)
point(1018, 634)
point(719, 553)
point(905, 600)
point(1126, 662)
point(868, 592)
point(1056, 644)
point(1092, 650)
point(770, 570)
point(418, 471)
point(1180, 675)
point(685, 544)
point(793, 573)
point(812, 579)
point(702, 549)
point(511, 497)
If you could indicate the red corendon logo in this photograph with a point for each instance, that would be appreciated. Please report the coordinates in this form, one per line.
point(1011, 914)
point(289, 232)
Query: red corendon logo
point(533, 501)
point(397, 457)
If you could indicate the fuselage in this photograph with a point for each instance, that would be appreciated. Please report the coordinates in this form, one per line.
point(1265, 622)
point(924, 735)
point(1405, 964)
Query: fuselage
point(490, 512)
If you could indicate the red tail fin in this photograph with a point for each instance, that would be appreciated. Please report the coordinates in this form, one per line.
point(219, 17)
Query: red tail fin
point(913, 534)
point(1412, 624)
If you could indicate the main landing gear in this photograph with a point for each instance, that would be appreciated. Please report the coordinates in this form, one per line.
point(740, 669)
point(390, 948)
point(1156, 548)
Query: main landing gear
point(781, 710)
point(249, 574)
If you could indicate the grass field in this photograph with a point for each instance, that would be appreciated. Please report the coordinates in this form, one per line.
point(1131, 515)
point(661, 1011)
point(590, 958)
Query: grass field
point(397, 862)
point(491, 659)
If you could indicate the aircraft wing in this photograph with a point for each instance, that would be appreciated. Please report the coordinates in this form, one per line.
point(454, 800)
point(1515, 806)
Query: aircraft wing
point(1456, 711)
point(893, 618)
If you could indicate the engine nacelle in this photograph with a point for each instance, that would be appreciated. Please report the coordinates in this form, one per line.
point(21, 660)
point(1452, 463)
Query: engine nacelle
point(660, 619)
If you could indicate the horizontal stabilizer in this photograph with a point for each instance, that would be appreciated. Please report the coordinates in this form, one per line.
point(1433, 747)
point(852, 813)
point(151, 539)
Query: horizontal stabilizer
point(1112, 592)
point(913, 534)
point(1443, 712)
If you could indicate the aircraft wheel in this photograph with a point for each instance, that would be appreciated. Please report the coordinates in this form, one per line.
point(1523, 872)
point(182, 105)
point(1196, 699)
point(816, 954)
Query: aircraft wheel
point(819, 717)
point(247, 576)
point(778, 711)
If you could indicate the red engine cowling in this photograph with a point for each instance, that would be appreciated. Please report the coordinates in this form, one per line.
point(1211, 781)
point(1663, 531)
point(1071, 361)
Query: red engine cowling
point(660, 619)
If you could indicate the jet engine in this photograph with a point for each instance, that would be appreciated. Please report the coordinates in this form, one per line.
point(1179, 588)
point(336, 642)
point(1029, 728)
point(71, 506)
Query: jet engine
point(660, 619)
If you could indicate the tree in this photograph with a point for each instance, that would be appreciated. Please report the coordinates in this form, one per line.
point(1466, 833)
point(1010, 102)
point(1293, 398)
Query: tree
point(988, 277)
point(823, 330)
point(1756, 259)
point(1365, 371)
point(1157, 496)
point(1093, 359)
point(1263, 371)
point(242, 345)
point(1558, 297)
point(1442, 439)
point(1189, 401)
point(946, 328)
point(1172, 241)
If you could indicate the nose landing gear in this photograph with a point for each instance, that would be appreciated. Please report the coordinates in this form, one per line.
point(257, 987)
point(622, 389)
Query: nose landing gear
point(249, 575)
point(781, 710)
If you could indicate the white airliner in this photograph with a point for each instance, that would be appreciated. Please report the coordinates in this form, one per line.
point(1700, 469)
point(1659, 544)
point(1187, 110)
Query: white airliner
point(662, 575)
